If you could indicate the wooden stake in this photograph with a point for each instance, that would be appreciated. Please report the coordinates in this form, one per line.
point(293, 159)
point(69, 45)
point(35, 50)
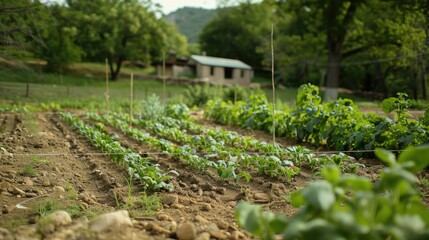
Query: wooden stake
point(163, 74)
point(131, 101)
point(106, 94)
point(272, 81)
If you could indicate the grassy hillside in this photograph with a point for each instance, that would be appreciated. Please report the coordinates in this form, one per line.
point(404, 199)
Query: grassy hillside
point(190, 21)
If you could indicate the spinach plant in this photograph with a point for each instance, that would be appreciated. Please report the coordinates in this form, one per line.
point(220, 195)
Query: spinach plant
point(344, 206)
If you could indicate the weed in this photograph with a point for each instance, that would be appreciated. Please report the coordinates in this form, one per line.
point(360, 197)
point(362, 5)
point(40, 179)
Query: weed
point(74, 210)
point(152, 108)
point(13, 224)
point(28, 171)
point(71, 191)
point(149, 204)
point(47, 207)
point(40, 160)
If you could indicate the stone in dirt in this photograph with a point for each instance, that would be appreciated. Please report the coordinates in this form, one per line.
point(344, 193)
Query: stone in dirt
point(201, 220)
point(164, 217)
point(218, 235)
point(58, 189)
point(8, 208)
point(156, 229)
point(4, 186)
point(186, 231)
point(51, 222)
point(169, 199)
point(206, 207)
point(203, 236)
point(111, 220)
point(178, 206)
point(18, 191)
point(27, 181)
point(261, 197)
point(222, 224)
point(5, 234)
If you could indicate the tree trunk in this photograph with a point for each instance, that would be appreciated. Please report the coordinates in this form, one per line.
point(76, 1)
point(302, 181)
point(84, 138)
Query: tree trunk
point(114, 72)
point(333, 73)
point(422, 77)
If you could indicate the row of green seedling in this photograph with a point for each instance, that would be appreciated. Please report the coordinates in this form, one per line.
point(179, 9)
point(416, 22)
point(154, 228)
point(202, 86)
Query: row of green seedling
point(207, 138)
point(185, 153)
point(149, 174)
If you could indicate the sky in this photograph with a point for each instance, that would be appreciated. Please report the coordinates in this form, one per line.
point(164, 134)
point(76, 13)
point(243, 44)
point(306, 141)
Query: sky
point(171, 5)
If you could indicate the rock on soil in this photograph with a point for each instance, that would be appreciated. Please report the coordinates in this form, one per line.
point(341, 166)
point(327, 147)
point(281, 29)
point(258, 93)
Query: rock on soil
point(186, 231)
point(5, 234)
point(51, 222)
point(113, 220)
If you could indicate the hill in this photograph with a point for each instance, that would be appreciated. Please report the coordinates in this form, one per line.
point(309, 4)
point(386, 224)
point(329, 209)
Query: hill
point(190, 21)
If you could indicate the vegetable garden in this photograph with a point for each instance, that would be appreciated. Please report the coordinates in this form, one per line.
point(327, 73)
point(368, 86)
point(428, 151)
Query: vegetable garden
point(339, 188)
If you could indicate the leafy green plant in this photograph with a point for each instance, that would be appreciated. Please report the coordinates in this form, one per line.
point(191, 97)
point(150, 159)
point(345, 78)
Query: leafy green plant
point(150, 203)
point(141, 168)
point(29, 171)
point(152, 108)
point(71, 191)
point(338, 125)
point(352, 207)
point(198, 95)
point(46, 207)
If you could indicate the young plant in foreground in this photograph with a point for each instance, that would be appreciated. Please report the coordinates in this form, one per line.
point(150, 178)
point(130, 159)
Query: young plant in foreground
point(351, 207)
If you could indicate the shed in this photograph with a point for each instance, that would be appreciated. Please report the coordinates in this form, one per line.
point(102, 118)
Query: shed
point(221, 71)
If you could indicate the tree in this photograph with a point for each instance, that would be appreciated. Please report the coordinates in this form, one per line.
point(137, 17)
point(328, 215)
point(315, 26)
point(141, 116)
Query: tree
point(59, 37)
point(20, 21)
point(239, 32)
point(118, 30)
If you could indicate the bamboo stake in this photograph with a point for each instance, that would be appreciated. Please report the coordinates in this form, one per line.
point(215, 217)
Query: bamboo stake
point(272, 81)
point(131, 100)
point(106, 94)
point(163, 73)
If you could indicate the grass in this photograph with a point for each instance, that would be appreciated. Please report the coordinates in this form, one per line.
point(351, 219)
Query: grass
point(83, 87)
point(71, 191)
point(29, 171)
point(52, 205)
point(31, 124)
point(13, 224)
point(47, 207)
point(40, 160)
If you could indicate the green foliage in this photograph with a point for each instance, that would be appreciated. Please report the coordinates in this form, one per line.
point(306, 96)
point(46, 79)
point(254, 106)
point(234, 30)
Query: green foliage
point(198, 95)
point(152, 108)
point(141, 168)
point(351, 207)
point(59, 49)
point(177, 111)
point(238, 32)
point(47, 207)
point(338, 125)
point(29, 171)
point(122, 30)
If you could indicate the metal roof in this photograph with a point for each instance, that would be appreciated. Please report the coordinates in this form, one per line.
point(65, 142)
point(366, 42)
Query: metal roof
point(220, 62)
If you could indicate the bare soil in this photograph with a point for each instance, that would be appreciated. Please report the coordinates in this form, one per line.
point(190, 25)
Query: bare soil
point(45, 165)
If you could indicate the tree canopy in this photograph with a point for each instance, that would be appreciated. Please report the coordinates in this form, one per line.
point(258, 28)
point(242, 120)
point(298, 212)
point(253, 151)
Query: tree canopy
point(364, 45)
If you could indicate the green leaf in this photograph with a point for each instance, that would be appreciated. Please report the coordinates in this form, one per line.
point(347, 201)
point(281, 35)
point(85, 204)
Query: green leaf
point(331, 173)
point(419, 156)
point(278, 224)
point(248, 216)
point(320, 195)
point(355, 182)
point(388, 105)
point(385, 156)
